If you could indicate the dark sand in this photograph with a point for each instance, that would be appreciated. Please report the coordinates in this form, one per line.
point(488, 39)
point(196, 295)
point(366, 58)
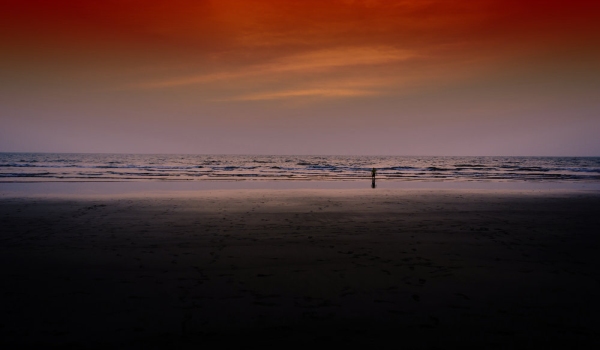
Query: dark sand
point(423, 269)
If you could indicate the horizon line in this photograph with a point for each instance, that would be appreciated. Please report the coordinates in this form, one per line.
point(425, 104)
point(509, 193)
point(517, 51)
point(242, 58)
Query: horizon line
point(299, 154)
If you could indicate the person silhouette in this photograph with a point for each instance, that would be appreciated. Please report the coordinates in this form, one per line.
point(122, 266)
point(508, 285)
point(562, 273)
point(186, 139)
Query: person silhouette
point(373, 173)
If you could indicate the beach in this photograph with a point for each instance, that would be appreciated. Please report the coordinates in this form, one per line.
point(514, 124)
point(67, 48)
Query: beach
point(424, 268)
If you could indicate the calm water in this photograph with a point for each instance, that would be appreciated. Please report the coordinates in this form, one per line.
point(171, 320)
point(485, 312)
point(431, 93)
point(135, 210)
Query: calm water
point(46, 167)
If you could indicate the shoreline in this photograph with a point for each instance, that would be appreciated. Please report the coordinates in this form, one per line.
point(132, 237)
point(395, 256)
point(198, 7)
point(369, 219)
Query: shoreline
point(58, 188)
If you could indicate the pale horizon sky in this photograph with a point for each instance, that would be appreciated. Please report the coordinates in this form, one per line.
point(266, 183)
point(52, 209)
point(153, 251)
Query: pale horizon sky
point(347, 77)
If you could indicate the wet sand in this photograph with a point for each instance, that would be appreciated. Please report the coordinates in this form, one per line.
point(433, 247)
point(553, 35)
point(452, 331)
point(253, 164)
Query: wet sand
point(421, 268)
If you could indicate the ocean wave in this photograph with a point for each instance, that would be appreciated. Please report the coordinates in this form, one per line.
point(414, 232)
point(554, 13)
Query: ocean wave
point(142, 174)
point(46, 174)
point(470, 166)
point(433, 168)
point(579, 170)
point(321, 167)
point(524, 168)
point(194, 167)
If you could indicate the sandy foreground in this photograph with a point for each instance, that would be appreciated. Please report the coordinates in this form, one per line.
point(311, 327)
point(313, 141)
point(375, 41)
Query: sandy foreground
point(421, 268)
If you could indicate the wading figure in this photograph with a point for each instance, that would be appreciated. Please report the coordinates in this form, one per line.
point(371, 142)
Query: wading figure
point(373, 173)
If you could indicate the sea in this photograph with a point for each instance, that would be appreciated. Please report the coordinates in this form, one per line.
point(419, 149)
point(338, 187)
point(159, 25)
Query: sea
point(73, 167)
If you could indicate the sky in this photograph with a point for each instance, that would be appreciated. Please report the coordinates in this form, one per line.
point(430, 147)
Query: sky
point(348, 77)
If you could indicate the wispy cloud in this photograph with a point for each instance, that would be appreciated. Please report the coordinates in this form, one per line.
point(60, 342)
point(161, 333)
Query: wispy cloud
point(304, 63)
point(337, 58)
point(317, 93)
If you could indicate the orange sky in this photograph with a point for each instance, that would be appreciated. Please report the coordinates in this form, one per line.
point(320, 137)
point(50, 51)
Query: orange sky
point(225, 76)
